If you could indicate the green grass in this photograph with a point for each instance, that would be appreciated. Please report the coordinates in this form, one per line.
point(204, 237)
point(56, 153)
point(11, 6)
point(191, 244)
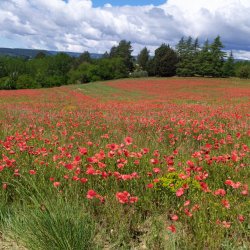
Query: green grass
point(106, 93)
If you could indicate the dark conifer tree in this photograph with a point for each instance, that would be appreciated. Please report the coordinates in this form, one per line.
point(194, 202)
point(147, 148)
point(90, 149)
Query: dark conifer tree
point(143, 58)
point(228, 67)
point(165, 61)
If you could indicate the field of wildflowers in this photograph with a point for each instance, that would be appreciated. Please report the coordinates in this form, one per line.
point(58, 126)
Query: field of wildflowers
point(128, 164)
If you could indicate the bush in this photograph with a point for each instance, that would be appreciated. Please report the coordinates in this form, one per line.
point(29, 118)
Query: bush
point(112, 68)
point(4, 83)
point(53, 81)
point(138, 74)
point(81, 74)
point(103, 69)
point(10, 82)
point(26, 82)
point(243, 71)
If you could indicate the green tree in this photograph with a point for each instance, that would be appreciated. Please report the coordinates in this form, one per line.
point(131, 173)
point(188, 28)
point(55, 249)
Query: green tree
point(123, 50)
point(205, 60)
point(86, 72)
point(3, 71)
point(243, 71)
point(26, 82)
point(4, 82)
point(112, 68)
point(151, 68)
point(218, 56)
point(15, 65)
point(40, 55)
point(181, 48)
point(143, 58)
point(85, 57)
point(11, 82)
point(101, 69)
point(187, 51)
point(228, 67)
point(105, 55)
point(58, 68)
point(165, 61)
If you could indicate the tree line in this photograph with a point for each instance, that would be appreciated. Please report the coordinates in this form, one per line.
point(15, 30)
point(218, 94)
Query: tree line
point(187, 59)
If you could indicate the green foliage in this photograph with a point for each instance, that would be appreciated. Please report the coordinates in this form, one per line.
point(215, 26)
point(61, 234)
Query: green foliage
point(54, 80)
point(218, 57)
point(26, 81)
point(228, 67)
point(172, 182)
point(188, 60)
point(143, 58)
point(102, 69)
point(40, 78)
point(14, 65)
point(40, 55)
point(80, 75)
point(138, 74)
point(151, 67)
point(58, 67)
point(205, 60)
point(211, 59)
point(3, 71)
point(243, 71)
point(123, 50)
point(165, 61)
point(187, 51)
point(208, 61)
point(113, 68)
point(4, 82)
point(11, 82)
point(83, 58)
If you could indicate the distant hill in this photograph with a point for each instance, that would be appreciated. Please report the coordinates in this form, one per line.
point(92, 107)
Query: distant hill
point(31, 53)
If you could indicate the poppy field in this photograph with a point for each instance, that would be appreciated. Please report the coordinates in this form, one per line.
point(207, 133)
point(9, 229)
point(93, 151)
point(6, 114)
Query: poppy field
point(127, 164)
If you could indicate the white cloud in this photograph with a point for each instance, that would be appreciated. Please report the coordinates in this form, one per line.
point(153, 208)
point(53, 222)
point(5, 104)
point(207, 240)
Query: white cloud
point(241, 54)
point(77, 26)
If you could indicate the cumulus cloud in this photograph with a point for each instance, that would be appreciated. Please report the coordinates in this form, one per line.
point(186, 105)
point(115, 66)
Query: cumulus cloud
point(75, 25)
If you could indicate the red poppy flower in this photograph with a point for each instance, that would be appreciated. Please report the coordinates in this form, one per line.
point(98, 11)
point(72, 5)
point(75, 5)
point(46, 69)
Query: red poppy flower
point(171, 228)
point(91, 194)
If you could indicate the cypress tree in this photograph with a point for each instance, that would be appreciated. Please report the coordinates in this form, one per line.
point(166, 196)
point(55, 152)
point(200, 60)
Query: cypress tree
point(217, 57)
point(228, 68)
point(165, 61)
point(143, 58)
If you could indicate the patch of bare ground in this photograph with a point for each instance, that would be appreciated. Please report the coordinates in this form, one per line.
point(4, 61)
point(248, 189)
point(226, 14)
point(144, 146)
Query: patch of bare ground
point(9, 244)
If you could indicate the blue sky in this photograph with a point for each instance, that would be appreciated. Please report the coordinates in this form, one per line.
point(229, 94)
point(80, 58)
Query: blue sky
point(77, 25)
point(100, 3)
point(97, 3)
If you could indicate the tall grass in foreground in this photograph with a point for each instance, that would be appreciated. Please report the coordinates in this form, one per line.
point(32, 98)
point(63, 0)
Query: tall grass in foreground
point(54, 225)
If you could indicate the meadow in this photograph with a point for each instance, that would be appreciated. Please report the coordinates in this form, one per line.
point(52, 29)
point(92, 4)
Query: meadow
point(126, 164)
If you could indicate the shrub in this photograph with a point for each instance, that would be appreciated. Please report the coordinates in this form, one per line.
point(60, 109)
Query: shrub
point(81, 74)
point(103, 69)
point(4, 83)
point(26, 82)
point(172, 182)
point(138, 74)
point(52, 81)
point(243, 71)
